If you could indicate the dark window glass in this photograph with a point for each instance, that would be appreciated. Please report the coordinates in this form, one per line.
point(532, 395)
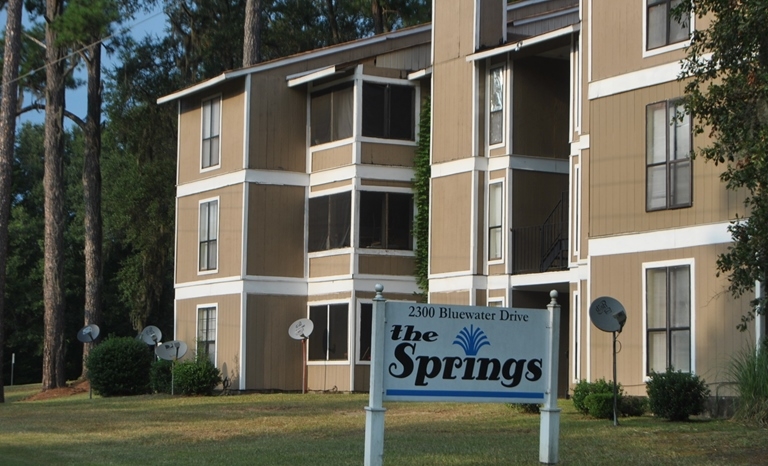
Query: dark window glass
point(662, 29)
point(668, 162)
point(328, 341)
point(332, 114)
point(386, 220)
point(366, 325)
point(668, 317)
point(329, 222)
point(388, 111)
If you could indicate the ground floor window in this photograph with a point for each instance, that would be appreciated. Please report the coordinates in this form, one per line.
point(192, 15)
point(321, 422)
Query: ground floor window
point(364, 334)
point(668, 317)
point(206, 333)
point(328, 341)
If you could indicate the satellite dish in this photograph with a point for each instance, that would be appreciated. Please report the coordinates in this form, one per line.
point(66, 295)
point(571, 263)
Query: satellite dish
point(88, 334)
point(301, 329)
point(607, 314)
point(151, 335)
point(171, 350)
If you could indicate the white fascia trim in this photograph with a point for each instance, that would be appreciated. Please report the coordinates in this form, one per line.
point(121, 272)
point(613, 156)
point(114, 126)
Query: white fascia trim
point(420, 74)
point(361, 171)
point(700, 235)
point(544, 278)
point(555, 14)
point(271, 177)
point(580, 145)
point(295, 59)
point(461, 283)
point(243, 337)
point(455, 167)
point(515, 46)
point(205, 288)
point(275, 286)
point(305, 77)
point(538, 164)
point(329, 285)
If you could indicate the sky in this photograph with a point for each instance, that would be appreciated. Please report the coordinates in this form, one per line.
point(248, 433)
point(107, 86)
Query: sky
point(152, 23)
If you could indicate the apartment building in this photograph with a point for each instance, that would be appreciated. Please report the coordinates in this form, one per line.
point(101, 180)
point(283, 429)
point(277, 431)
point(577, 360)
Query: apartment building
point(557, 163)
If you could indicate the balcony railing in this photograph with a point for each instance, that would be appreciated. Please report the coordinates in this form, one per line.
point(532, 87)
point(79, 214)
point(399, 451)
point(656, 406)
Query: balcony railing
point(542, 248)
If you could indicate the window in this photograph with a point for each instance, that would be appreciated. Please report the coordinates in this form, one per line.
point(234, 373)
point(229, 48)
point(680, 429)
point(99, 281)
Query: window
point(668, 162)
point(386, 220)
point(668, 317)
point(329, 221)
point(495, 216)
point(366, 330)
point(331, 114)
point(328, 341)
point(496, 106)
point(388, 111)
point(209, 233)
point(206, 333)
point(211, 124)
point(662, 29)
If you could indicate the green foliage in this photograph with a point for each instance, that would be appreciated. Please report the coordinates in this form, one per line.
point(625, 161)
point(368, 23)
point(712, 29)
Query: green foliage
point(749, 369)
point(421, 183)
point(197, 377)
point(525, 408)
point(161, 376)
point(599, 405)
point(119, 366)
point(726, 73)
point(583, 389)
point(676, 395)
point(633, 406)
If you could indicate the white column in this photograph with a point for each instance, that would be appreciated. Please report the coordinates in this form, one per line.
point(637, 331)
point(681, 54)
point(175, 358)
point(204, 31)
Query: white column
point(549, 434)
point(374, 412)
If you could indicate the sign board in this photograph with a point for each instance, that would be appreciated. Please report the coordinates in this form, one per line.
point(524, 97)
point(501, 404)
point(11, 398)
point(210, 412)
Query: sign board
point(465, 353)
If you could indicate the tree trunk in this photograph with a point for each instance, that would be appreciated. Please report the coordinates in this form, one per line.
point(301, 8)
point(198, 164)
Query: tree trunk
point(252, 33)
point(377, 12)
point(53, 186)
point(92, 196)
point(335, 34)
point(11, 59)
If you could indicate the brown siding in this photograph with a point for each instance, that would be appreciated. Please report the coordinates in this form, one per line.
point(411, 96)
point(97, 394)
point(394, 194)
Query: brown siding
point(227, 331)
point(458, 298)
point(362, 378)
point(480, 299)
point(387, 154)
point(326, 377)
point(329, 266)
point(229, 240)
point(480, 231)
point(617, 171)
point(366, 294)
point(333, 185)
point(452, 116)
point(413, 59)
point(231, 136)
point(387, 183)
point(386, 265)
point(497, 269)
point(450, 216)
point(341, 296)
point(332, 158)
point(274, 360)
point(497, 293)
point(275, 230)
point(490, 14)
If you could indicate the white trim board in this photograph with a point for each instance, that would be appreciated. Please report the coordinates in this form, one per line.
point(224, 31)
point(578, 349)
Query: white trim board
point(700, 235)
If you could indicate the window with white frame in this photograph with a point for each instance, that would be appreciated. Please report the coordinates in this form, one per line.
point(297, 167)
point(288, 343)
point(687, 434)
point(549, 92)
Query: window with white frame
point(668, 162)
point(206, 333)
point(386, 220)
point(328, 341)
point(495, 220)
point(332, 113)
point(364, 340)
point(388, 111)
point(661, 27)
point(208, 235)
point(496, 106)
point(668, 318)
point(329, 222)
point(211, 125)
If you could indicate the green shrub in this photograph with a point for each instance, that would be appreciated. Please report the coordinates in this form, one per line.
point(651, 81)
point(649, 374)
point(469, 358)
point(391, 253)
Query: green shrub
point(633, 406)
point(676, 395)
point(197, 377)
point(160, 376)
point(599, 405)
point(583, 389)
point(749, 369)
point(119, 366)
point(525, 408)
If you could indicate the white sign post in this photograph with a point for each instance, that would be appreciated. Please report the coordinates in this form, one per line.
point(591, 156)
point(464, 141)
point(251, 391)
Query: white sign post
point(432, 352)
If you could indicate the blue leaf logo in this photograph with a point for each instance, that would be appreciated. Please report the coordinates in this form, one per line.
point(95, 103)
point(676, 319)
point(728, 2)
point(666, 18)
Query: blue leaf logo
point(471, 340)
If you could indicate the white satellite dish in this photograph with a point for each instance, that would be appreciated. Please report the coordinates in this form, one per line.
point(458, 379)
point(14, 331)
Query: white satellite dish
point(171, 350)
point(301, 329)
point(607, 314)
point(88, 334)
point(151, 335)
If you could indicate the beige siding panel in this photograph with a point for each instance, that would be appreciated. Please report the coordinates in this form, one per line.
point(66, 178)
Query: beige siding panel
point(480, 231)
point(490, 13)
point(457, 298)
point(329, 266)
point(386, 265)
point(412, 59)
point(497, 269)
point(715, 314)
point(450, 217)
point(275, 230)
point(497, 174)
point(617, 171)
point(448, 34)
point(362, 378)
point(332, 158)
point(227, 331)
point(586, 205)
point(274, 359)
point(341, 296)
point(480, 299)
point(502, 293)
point(231, 134)
point(387, 154)
point(386, 183)
point(452, 113)
point(229, 239)
point(366, 294)
point(370, 69)
point(327, 377)
point(334, 185)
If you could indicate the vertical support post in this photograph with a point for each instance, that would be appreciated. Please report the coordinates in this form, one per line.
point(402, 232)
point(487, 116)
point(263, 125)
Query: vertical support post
point(549, 434)
point(374, 412)
point(760, 317)
point(615, 384)
point(304, 366)
point(13, 363)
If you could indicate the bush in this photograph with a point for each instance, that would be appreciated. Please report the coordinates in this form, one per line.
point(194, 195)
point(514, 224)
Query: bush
point(526, 408)
point(583, 389)
point(600, 405)
point(119, 366)
point(749, 369)
point(633, 406)
point(160, 376)
point(676, 395)
point(198, 377)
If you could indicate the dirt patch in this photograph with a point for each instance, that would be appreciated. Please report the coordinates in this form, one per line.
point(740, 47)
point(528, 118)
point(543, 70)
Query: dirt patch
point(72, 388)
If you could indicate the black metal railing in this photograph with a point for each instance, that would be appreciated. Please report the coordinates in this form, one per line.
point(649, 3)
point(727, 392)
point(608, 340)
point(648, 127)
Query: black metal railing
point(544, 247)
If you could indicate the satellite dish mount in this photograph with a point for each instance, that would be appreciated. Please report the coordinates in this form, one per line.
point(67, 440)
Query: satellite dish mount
point(300, 330)
point(171, 351)
point(87, 334)
point(609, 316)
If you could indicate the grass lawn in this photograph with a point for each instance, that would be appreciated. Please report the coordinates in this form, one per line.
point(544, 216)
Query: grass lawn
point(328, 429)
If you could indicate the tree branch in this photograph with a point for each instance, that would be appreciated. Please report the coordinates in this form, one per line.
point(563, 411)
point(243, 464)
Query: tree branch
point(75, 119)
